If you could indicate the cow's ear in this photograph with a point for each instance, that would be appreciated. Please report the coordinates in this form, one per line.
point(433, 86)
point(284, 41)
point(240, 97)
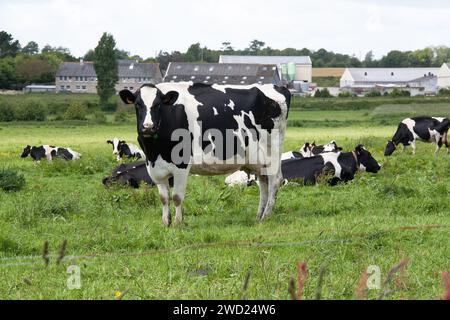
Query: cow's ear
point(127, 97)
point(313, 144)
point(170, 97)
point(359, 149)
point(339, 149)
point(109, 142)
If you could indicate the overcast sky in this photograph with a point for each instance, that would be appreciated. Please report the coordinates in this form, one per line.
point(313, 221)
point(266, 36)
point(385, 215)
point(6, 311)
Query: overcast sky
point(146, 26)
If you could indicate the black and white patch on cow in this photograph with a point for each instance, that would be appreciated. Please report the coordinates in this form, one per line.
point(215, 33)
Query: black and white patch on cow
point(426, 129)
point(49, 153)
point(240, 178)
point(205, 120)
point(341, 166)
point(123, 149)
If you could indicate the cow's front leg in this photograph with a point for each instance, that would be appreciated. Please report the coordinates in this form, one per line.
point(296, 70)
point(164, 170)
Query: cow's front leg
point(179, 192)
point(164, 196)
point(413, 146)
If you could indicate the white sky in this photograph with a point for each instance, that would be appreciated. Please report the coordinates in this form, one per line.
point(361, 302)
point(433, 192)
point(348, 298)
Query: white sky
point(146, 26)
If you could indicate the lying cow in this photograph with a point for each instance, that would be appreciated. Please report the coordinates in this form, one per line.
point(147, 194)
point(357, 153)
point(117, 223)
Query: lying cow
point(240, 178)
point(309, 150)
point(131, 174)
point(426, 129)
point(50, 153)
point(121, 149)
point(176, 123)
point(341, 166)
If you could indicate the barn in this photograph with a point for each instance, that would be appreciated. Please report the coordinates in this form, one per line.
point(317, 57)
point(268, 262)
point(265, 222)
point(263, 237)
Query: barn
point(292, 68)
point(418, 81)
point(222, 73)
point(444, 76)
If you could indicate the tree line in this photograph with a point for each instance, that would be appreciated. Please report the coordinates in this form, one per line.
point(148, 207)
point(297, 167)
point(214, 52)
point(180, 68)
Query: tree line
point(23, 65)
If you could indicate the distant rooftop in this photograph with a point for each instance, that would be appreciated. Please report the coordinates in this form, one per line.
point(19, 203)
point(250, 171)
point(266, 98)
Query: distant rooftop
point(222, 73)
point(127, 69)
point(306, 60)
point(390, 74)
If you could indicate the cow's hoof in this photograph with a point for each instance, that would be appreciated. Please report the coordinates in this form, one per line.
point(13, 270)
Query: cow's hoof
point(167, 221)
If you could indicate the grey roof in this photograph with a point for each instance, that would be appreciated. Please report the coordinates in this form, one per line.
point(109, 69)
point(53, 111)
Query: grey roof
point(127, 69)
point(222, 73)
point(305, 60)
point(76, 69)
point(390, 75)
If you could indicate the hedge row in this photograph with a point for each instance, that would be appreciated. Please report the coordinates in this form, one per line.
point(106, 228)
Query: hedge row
point(359, 103)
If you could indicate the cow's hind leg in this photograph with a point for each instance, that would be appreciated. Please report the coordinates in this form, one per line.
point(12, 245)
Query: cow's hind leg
point(273, 184)
point(179, 192)
point(263, 195)
point(164, 196)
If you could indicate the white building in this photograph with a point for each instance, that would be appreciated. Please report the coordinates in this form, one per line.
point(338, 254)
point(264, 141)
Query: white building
point(291, 68)
point(444, 76)
point(418, 81)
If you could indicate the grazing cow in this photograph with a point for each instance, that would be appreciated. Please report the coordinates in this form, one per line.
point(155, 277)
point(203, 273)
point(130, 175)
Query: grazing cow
point(210, 130)
point(309, 150)
point(121, 149)
point(50, 153)
point(426, 129)
point(342, 166)
point(131, 174)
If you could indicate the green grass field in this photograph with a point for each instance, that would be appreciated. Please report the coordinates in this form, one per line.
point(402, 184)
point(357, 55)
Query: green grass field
point(117, 239)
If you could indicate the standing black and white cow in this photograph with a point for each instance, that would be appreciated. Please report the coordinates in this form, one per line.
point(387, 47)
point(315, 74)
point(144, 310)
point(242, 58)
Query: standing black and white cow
point(49, 153)
point(211, 130)
point(121, 149)
point(341, 166)
point(309, 150)
point(427, 129)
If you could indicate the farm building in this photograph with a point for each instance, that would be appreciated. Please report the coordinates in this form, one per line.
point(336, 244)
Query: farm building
point(418, 81)
point(34, 88)
point(444, 76)
point(80, 76)
point(222, 73)
point(291, 68)
point(327, 72)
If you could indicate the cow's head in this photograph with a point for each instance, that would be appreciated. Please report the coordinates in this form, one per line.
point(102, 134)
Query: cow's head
point(26, 152)
point(305, 150)
point(390, 148)
point(331, 147)
point(116, 143)
point(149, 101)
point(366, 161)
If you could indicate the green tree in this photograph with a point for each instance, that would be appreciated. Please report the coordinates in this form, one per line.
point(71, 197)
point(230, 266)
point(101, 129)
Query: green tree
point(194, 53)
point(31, 48)
point(8, 47)
point(105, 65)
point(256, 46)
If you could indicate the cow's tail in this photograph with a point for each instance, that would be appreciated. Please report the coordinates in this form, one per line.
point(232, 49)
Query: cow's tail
point(287, 94)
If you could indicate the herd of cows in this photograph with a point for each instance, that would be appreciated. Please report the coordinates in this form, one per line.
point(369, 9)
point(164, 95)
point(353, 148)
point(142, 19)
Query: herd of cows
point(255, 114)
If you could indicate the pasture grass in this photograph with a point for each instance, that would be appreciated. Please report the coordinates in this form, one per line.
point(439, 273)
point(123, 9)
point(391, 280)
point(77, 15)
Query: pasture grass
point(115, 235)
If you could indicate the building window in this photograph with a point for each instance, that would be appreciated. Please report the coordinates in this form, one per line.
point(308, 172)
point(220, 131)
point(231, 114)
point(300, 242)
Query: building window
point(131, 88)
point(78, 87)
point(83, 87)
point(68, 87)
point(62, 87)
